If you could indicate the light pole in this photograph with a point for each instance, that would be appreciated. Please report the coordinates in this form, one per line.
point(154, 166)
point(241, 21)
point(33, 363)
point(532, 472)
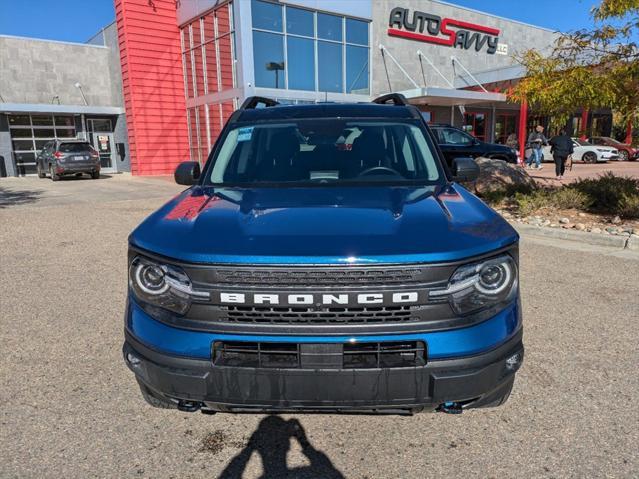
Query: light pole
point(276, 67)
point(78, 85)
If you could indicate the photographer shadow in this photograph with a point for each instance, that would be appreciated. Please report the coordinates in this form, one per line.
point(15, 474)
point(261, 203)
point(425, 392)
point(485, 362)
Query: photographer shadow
point(272, 441)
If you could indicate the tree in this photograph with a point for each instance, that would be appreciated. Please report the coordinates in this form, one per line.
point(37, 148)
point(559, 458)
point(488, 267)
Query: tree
point(594, 68)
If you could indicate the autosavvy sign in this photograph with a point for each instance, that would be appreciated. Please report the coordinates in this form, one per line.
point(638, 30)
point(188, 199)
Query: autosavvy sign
point(429, 28)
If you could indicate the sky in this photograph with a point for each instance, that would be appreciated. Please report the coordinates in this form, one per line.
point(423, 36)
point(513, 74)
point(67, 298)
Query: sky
point(79, 20)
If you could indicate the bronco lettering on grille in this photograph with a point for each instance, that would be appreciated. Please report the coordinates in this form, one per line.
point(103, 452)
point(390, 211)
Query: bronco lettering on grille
point(404, 297)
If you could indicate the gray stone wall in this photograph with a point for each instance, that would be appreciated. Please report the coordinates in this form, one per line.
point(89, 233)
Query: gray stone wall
point(518, 37)
point(34, 71)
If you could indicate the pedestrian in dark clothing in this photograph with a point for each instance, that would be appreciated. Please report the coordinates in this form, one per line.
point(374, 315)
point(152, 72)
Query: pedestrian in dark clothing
point(561, 149)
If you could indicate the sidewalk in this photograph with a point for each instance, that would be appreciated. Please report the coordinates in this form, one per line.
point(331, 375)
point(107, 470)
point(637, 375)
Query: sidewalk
point(546, 176)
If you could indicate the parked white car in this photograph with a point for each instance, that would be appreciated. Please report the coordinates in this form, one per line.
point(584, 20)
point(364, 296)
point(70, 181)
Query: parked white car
point(587, 152)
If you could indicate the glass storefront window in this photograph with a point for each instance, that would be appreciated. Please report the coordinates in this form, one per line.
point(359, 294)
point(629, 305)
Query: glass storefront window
point(329, 66)
point(301, 64)
point(268, 54)
point(357, 70)
point(22, 120)
point(266, 16)
point(196, 33)
point(42, 120)
point(299, 22)
point(199, 71)
point(329, 27)
point(356, 31)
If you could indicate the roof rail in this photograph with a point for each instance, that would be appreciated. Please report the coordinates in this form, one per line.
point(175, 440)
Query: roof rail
point(251, 102)
point(396, 98)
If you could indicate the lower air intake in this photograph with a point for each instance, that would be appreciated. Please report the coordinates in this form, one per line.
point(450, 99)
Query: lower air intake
point(381, 355)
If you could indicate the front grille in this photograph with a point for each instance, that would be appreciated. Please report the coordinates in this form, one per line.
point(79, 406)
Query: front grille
point(381, 355)
point(296, 315)
point(349, 277)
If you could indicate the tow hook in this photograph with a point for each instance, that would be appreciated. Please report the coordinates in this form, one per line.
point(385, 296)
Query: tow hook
point(450, 408)
point(188, 406)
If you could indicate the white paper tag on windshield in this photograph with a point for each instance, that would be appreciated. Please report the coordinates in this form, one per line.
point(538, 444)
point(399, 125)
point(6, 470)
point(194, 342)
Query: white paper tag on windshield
point(245, 134)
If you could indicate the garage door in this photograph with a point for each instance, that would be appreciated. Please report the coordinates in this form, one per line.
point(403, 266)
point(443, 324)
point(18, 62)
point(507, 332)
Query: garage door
point(29, 133)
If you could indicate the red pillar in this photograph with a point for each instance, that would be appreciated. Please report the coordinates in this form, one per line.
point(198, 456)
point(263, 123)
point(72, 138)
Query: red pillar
point(523, 120)
point(584, 124)
point(153, 85)
point(629, 133)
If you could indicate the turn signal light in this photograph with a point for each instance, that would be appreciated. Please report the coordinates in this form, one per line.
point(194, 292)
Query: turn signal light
point(57, 154)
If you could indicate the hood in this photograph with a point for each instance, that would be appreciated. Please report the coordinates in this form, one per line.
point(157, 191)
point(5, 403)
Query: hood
point(323, 225)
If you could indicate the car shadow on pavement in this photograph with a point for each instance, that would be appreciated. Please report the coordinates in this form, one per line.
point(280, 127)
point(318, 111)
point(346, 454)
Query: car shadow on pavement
point(10, 198)
point(271, 441)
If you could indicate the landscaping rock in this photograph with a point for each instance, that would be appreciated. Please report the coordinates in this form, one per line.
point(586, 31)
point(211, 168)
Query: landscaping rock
point(580, 227)
point(596, 230)
point(564, 221)
point(497, 175)
point(616, 220)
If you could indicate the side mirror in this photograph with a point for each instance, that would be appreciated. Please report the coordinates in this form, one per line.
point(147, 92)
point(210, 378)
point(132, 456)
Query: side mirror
point(187, 173)
point(465, 169)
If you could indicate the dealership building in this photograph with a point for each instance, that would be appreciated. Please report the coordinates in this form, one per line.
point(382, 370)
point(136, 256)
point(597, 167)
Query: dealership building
point(156, 87)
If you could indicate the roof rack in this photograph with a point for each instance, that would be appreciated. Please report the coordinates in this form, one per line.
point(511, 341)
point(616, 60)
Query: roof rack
point(397, 99)
point(251, 102)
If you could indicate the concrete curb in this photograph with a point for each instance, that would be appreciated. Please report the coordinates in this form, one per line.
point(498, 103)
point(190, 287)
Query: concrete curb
point(596, 239)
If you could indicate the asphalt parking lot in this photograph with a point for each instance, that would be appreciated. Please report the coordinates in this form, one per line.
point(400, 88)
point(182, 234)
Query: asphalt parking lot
point(70, 407)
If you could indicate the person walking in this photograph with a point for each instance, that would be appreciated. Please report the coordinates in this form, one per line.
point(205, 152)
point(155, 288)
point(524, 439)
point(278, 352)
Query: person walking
point(536, 141)
point(561, 149)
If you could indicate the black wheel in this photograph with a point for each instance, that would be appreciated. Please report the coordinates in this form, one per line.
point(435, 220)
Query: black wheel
point(54, 175)
point(623, 155)
point(154, 400)
point(95, 175)
point(41, 174)
point(590, 157)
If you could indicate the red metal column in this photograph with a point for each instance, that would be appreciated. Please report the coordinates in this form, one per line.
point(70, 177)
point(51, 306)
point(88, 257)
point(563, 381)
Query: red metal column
point(523, 121)
point(584, 124)
point(153, 85)
point(629, 133)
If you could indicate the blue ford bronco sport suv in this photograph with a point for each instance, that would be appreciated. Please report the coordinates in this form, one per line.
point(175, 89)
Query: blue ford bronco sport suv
point(324, 259)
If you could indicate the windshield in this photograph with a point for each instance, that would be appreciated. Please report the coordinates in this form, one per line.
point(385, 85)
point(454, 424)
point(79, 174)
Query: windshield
point(325, 152)
point(582, 142)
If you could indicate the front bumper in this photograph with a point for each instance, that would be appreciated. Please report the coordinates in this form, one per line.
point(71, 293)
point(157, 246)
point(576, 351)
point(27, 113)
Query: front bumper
point(607, 156)
point(474, 381)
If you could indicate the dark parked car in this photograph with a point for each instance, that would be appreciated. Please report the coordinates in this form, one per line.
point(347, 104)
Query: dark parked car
point(626, 152)
point(68, 157)
point(456, 143)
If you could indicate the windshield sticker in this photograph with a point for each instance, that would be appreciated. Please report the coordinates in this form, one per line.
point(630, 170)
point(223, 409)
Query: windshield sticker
point(245, 134)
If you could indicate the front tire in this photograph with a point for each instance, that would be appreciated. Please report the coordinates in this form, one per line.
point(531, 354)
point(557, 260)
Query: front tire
point(623, 155)
point(590, 157)
point(95, 175)
point(54, 176)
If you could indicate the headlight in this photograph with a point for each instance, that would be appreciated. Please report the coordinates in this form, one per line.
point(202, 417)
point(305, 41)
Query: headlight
point(601, 150)
point(160, 285)
point(480, 285)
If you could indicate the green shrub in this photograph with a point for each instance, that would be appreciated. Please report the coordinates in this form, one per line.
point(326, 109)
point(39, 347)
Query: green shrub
point(611, 194)
point(569, 198)
point(531, 202)
point(629, 206)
